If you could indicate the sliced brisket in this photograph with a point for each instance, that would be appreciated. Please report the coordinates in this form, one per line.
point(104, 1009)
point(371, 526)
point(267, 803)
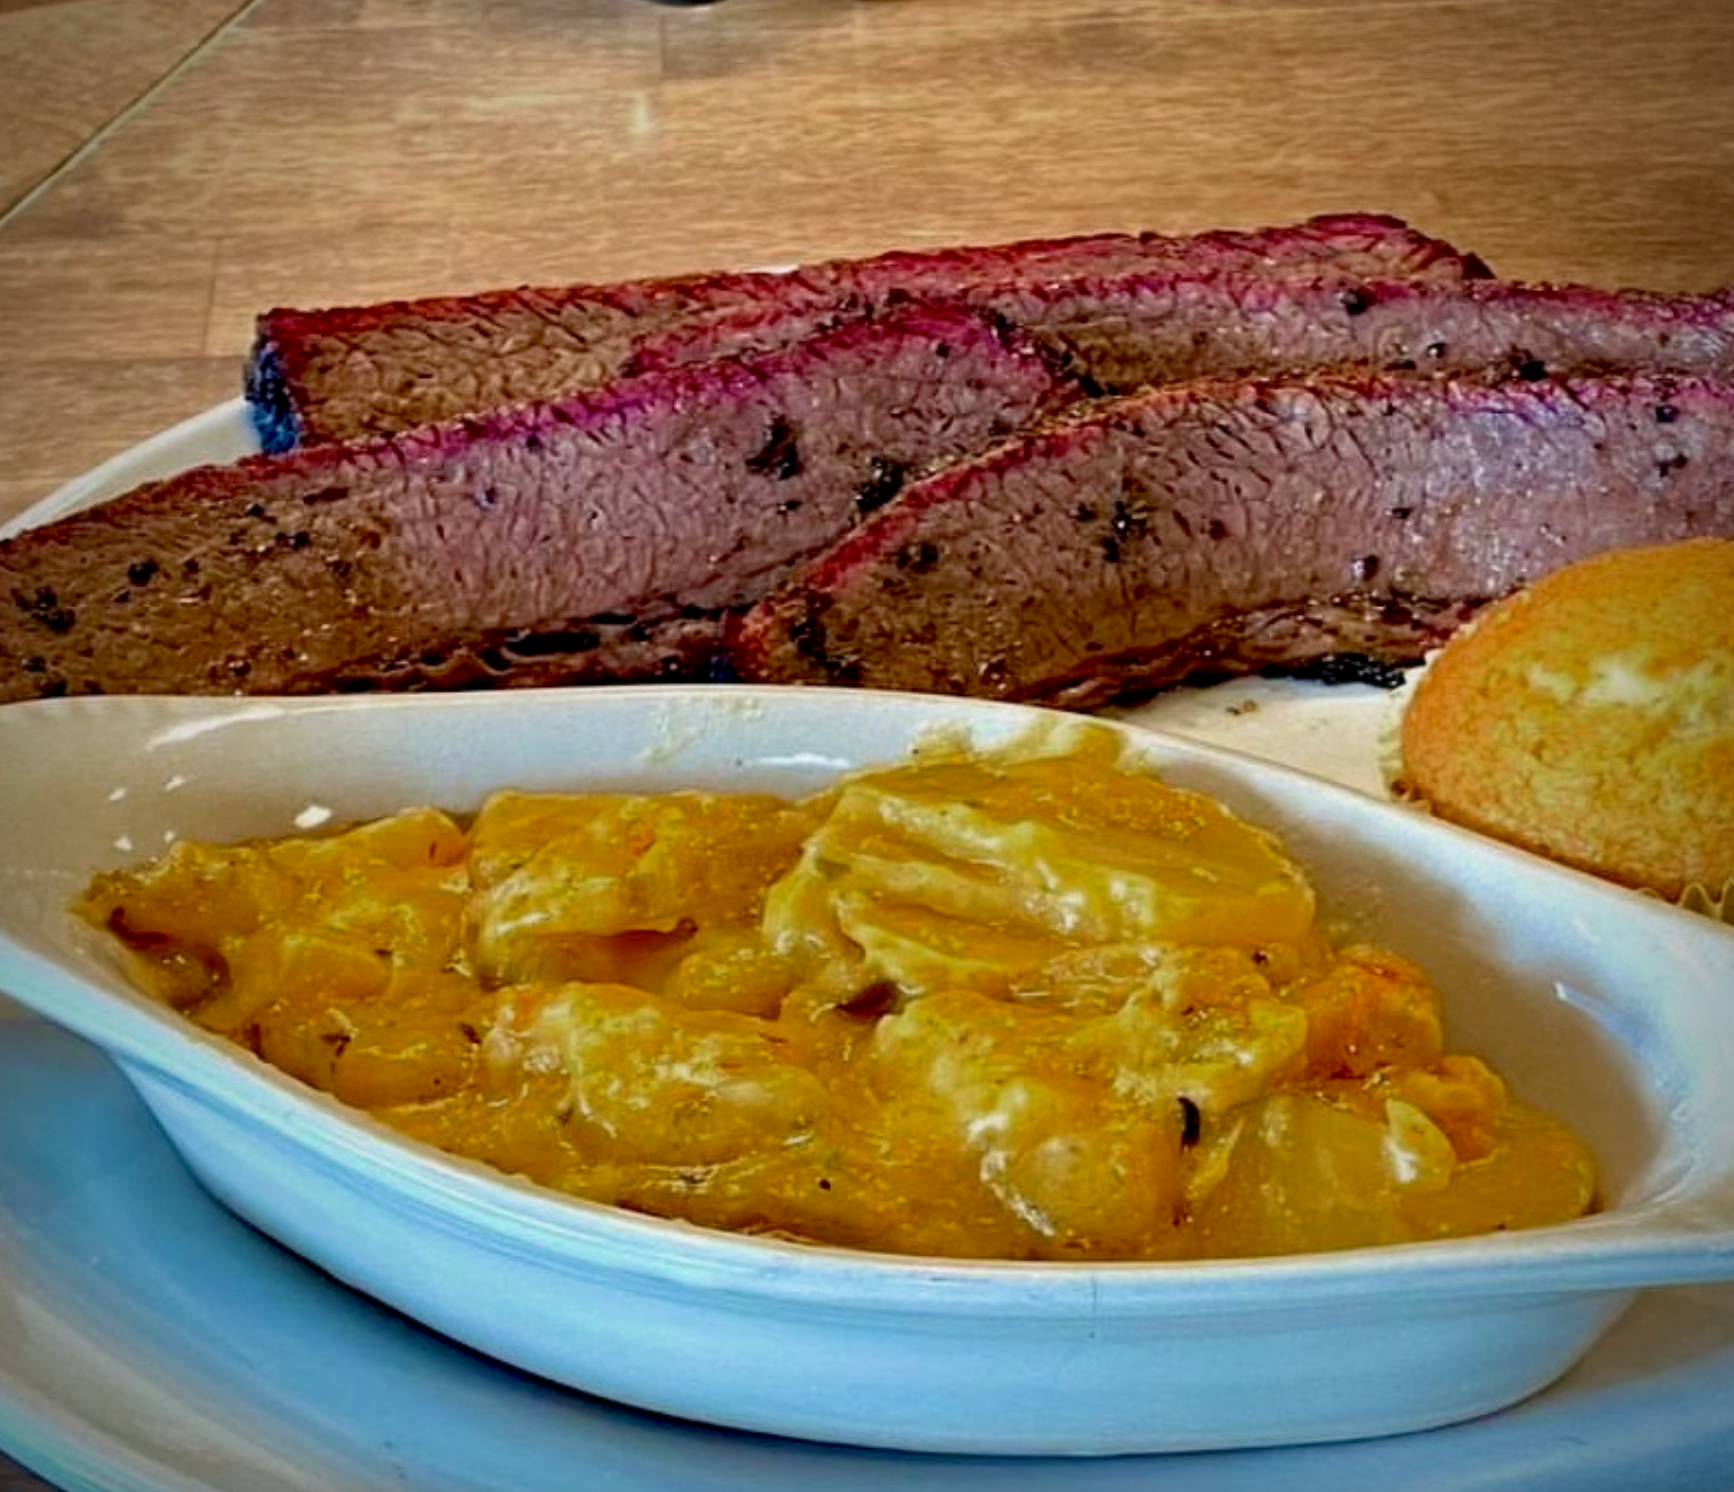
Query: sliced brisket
point(598, 537)
point(1123, 332)
point(1232, 526)
point(352, 372)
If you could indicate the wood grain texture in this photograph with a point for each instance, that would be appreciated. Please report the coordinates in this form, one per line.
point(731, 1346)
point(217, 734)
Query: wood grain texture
point(72, 69)
point(174, 168)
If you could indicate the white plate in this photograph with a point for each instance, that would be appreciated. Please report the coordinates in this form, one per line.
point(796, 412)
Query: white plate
point(1662, 1375)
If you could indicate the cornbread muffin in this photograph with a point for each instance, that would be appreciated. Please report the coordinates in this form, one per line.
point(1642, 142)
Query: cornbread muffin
point(1590, 718)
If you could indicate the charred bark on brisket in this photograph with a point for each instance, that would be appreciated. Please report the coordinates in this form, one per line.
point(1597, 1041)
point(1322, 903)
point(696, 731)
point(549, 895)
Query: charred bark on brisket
point(1230, 527)
point(600, 537)
point(347, 373)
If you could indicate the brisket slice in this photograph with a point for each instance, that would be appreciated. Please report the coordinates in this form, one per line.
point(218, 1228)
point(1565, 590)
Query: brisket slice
point(1126, 331)
point(1229, 527)
point(601, 537)
point(351, 372)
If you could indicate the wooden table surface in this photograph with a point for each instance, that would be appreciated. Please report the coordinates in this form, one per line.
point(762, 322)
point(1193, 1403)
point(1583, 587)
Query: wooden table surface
point(169, 168)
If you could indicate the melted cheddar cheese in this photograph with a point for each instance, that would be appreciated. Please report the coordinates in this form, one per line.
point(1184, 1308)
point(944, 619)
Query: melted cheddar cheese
point(1032, 1005)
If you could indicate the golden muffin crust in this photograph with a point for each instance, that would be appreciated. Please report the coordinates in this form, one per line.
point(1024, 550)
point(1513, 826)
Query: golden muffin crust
point(1590, 718)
